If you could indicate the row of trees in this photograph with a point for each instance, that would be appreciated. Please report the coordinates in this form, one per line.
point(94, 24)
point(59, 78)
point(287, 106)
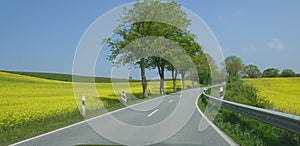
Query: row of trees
point(235, 67)
point(134, 42)
point(141, 39)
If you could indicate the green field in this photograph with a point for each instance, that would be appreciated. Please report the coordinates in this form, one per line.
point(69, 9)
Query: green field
point(283, 93)
point(31, 105)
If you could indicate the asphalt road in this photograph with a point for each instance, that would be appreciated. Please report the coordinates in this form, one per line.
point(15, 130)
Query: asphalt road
point(170, 120)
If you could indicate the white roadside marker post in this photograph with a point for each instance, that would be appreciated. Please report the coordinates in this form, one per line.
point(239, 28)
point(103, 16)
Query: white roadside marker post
point(83, 106)
point(162, 91)
point(124, 98)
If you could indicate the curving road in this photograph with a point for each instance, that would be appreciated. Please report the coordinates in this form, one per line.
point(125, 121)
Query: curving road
point(169, 120)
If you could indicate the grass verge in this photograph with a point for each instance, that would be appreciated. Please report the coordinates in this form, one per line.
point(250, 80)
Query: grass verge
point(38, 127)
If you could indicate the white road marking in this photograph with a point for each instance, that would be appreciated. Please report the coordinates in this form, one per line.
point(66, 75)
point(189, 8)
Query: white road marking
point(152, 113)
point(170, 100)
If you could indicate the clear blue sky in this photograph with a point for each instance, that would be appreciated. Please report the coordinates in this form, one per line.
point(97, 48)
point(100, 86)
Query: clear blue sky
point(43, 35)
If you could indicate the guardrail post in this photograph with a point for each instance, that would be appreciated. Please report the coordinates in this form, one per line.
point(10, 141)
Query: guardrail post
point(221, 91)
point(83, 105)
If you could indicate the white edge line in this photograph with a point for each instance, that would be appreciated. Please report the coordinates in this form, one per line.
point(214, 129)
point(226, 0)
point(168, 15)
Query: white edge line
point(152, 113)
point(86, 120)
point(217, 129)
point(171, 100)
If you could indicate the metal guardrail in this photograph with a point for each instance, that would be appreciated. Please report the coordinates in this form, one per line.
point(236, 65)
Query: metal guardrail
point(279, 119)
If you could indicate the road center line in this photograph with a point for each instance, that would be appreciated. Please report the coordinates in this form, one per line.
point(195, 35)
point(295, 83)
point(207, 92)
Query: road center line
point(152, 113)
point(170, 100)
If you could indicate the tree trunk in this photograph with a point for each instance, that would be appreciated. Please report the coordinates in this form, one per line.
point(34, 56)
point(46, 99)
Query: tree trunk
point(193, 84)
point(161, 71)
point(182, 80)
point(162, 86)
point(192, 78)
point(174, 78)
point(144, 80)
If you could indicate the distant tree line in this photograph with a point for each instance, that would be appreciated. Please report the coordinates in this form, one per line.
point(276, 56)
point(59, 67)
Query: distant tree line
point(235, 67)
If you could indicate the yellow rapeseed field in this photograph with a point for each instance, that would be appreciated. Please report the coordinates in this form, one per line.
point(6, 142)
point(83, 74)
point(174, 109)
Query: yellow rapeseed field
point(283, 93)
point(24, 99)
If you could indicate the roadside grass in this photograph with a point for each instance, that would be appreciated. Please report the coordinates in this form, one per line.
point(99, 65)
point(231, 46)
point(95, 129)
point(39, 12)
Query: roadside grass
point(244, 130)
point(31, 105)
point(38, 127)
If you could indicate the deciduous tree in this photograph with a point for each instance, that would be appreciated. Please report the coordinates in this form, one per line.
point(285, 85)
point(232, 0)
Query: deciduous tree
point(252, 71)
point(288, 73)
point(234, 66)
point(271, 73)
